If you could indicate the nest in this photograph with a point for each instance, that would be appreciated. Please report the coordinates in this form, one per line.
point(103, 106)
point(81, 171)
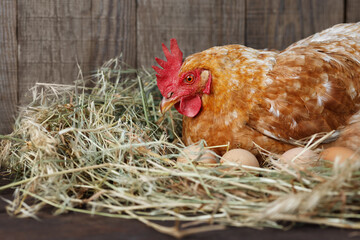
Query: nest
point(105, 150)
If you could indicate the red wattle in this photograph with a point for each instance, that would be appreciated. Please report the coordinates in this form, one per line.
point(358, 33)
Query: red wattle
point(189, 106)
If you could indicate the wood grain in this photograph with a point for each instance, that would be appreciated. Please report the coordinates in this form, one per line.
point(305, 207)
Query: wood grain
point(113, 31)
point(8, 64)
point(52, 37)
point(196, 25)
point(55, 35)
point(352, 11)
point(275, 24)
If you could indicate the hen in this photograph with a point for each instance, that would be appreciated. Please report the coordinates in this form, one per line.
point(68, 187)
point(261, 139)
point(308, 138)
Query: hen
point(241, 96)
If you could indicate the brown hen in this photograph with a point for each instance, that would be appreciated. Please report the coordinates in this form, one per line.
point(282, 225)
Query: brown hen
point(241, 96)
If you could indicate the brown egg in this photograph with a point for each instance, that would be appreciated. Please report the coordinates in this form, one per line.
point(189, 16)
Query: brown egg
point(239, 157)
point(307, 157)
point(195, 153)
point(340, 154)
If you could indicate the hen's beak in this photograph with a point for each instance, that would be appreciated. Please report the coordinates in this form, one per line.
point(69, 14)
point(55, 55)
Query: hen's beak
point(166, 104)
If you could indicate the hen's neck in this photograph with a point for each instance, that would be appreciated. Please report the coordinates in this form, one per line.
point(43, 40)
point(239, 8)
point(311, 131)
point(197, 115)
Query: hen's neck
point(239, 76)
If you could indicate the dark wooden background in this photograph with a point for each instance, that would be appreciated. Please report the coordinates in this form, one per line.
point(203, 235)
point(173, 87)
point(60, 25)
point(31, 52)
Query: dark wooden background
point(43, 40)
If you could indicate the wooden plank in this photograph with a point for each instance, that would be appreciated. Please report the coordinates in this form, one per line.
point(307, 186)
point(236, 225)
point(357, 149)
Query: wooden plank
point(55, 35)
point(196, 25)
point(8, 64)
point(113, 31)
point(278, 23)
point(52, 36)
point(81, 226)
point(352, 11)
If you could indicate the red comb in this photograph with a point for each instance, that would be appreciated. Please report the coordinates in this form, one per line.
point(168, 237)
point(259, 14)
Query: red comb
point(171, 67)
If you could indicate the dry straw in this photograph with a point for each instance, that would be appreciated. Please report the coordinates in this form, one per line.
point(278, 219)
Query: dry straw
point(105, 150)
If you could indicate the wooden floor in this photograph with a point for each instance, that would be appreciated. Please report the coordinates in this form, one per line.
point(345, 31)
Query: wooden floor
point(81, 226)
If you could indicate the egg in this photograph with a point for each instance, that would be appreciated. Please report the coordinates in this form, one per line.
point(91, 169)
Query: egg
point(340, 154)
point(197, 153)
point(299, 157)
point(239, 157)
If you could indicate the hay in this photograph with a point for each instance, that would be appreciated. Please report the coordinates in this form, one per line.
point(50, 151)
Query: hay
point(105, 150)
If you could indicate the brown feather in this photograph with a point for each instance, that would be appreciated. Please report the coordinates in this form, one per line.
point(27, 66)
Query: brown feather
point(272, 98)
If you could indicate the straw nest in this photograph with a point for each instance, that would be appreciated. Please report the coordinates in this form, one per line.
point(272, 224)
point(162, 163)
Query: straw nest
point(105, 150)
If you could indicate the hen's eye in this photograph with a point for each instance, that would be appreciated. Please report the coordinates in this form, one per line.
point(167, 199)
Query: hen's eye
point(189, 78)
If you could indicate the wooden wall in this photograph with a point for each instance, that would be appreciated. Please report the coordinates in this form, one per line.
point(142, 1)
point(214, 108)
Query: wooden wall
point(43, 40)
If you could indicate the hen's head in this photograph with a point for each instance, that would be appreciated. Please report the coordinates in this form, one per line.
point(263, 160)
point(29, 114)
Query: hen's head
point(180, 89)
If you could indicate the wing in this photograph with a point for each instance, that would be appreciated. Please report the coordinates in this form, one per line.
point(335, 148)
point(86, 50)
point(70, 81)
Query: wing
point(315, 88)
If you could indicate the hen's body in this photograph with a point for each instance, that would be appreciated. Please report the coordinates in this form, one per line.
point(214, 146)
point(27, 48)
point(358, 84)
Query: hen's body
point(273, 98)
